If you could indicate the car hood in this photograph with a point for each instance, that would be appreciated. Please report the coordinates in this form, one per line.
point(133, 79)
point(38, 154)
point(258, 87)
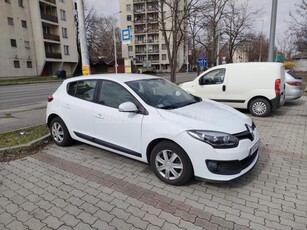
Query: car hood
point(208, 115)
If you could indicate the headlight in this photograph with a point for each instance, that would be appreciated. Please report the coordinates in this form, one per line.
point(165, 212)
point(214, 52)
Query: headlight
point(217, 140)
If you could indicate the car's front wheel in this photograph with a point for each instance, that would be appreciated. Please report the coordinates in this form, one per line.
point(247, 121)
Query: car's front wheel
point(171, 164)
point(59, 132)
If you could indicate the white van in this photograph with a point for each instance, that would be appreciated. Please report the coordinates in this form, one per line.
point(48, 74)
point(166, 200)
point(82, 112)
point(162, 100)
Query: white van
point(256, 86)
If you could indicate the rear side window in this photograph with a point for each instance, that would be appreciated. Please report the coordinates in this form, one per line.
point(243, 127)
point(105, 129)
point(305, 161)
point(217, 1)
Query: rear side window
point(82, 89)
point(293, 75)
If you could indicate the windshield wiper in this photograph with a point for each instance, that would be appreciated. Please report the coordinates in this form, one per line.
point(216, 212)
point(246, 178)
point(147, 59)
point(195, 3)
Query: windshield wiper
point(178, 105)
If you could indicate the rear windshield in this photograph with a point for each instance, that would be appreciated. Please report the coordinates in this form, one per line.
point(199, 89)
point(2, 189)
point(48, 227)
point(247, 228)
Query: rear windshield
point(294, 75)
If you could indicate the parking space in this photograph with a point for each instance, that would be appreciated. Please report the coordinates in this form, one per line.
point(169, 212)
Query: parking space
point(82, 187)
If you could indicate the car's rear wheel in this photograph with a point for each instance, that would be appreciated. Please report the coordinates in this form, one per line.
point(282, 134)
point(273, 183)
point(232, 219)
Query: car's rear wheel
point(171, 164)
point(59, 132)
point(260, 107)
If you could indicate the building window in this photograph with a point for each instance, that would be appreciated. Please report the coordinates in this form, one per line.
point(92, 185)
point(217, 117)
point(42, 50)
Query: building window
point(61, 0)
point(24, 24)
point(66, 50)
point(29, 64)
point(13, 43)
point(128, 17)
point(20, 3)
point(8, 1)
point(63, 15)
point(163, 56)
point(130, 48)
point(164, 46)
point(27, 44)
point(64, 32)
point(16, 64)
point(128, 7)
point(10, 21)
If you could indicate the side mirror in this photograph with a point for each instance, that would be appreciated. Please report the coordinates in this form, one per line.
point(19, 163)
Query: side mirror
point(128, 107)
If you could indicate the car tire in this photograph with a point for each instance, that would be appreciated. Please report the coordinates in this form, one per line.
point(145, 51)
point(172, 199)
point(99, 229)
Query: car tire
point(260, 107)
point(59, 132)
point(177, 170)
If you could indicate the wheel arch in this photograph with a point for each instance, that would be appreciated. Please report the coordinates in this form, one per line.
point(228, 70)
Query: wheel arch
point(256, 97)
point(51, 117)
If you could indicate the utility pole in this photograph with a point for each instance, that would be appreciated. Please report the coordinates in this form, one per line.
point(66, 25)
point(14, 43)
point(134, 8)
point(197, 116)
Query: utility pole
point(82, 36)
point(272, 31)
point(114, 40)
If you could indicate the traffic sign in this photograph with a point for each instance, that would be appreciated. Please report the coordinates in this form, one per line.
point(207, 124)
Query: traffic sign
point(202, 62)
point(126, 37)
point(202, 56)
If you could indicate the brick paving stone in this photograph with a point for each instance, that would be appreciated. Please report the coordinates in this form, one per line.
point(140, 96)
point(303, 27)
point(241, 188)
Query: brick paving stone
point(188, 225)
point(137, 222)
point(69, 220)
point(154, 220)
point(206, 224)
point(136, 211)
point(39, 214)
point(56, 211)
point(34, 224)
point(170, 218)
point(12, 208)
point(83, 226)
point(53, 222)
point(65, 227)
point(170, 226)
point(106, 216)
point(102, 225)
point(87, 218)
point(73, 210)
point(88, 208)
point(120, 213)
point(120, 224)
point(6, 218)
point(22, 216)
point(16, 225)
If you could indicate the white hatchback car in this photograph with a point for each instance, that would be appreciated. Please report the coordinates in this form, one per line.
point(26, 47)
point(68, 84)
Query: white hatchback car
point(152, 120)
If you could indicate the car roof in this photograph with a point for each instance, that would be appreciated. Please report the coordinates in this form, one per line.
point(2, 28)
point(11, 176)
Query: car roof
point(120, 77)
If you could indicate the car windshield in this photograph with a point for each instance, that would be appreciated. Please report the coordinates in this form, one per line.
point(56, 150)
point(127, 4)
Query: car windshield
point(161, 93)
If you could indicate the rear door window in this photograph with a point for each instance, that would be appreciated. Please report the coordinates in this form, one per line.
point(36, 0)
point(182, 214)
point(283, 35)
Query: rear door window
point(83, 89)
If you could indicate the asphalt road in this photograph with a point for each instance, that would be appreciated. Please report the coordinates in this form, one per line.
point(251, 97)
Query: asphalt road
point(16, 96)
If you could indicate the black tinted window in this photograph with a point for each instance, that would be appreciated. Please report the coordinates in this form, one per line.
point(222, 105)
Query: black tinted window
point(112, 94)
point(82, 89)
point(213, 77)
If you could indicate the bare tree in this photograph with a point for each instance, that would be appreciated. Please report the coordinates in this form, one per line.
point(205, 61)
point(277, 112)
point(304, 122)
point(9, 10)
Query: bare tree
point(298, 25)
point(173, 16)
point(286, 44)
point(237, 21)
point(211, 15)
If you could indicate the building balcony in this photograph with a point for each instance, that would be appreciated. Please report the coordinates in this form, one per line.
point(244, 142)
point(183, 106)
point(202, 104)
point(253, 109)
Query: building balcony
point(138, 1)
point(140, 52)
point(53, 37)
point(155, 61)
point(53, 55)
point(48, 17)
point(51, 1)
point(153, 51)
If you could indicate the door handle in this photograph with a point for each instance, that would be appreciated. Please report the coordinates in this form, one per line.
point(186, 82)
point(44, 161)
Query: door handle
point(224, 88)
point(67, 106)
point(99, 116)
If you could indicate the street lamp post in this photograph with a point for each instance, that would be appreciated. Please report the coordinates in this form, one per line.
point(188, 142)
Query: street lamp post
point(272, 30)
point(114, 39)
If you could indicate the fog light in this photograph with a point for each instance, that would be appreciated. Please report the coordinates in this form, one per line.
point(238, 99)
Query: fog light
point(212, 166)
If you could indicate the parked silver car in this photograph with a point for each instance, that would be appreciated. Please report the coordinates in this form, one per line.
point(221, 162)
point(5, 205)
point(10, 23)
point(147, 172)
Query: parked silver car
point(293, 84)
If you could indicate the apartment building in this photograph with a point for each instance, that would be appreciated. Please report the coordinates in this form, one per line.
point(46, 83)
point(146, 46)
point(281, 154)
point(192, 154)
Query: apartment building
point(147, 46)
point(37, 37)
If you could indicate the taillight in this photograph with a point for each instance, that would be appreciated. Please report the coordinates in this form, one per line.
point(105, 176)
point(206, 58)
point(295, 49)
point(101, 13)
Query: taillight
point(277, 86)
point(294, 83)
point(50, 98)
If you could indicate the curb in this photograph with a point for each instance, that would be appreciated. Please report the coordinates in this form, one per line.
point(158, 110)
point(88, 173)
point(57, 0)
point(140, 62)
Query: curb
point(24, 146)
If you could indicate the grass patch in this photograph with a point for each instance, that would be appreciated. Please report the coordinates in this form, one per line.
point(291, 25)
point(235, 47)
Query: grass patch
point(22, 136)
point(26, 80)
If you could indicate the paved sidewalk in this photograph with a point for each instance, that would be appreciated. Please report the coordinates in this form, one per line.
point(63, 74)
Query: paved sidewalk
point(82, 187)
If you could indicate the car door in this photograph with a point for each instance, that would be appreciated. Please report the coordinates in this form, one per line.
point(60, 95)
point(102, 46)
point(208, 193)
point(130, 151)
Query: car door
point(120, 131)
point(212, 85)
point(78, 105)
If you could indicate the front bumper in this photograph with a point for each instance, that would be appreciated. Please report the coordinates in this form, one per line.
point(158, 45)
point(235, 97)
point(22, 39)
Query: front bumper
point(230, 163)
